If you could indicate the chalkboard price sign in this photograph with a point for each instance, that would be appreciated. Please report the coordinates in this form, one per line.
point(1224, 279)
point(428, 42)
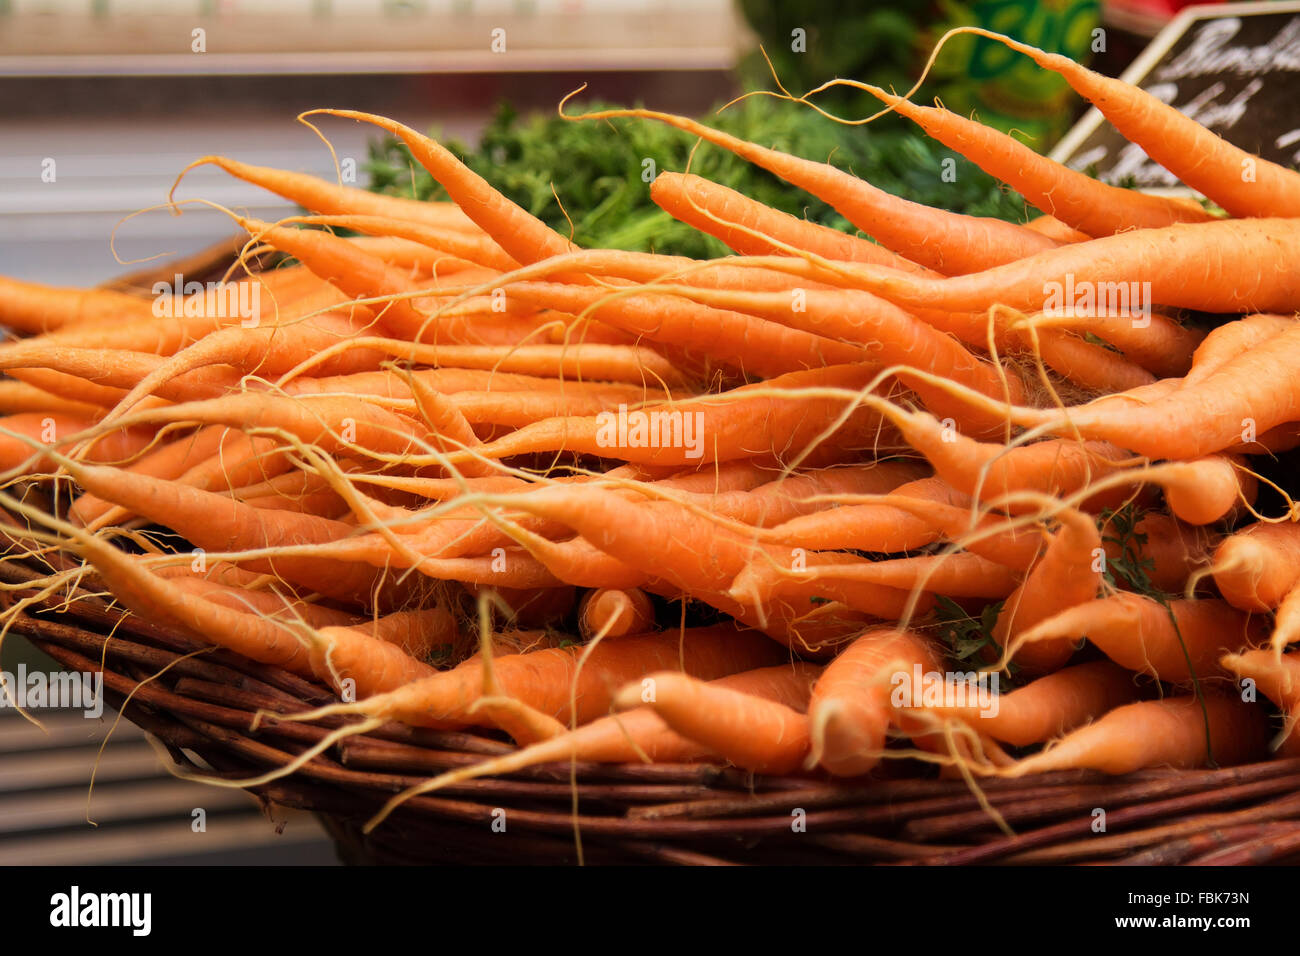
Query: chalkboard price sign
point(1234, 68)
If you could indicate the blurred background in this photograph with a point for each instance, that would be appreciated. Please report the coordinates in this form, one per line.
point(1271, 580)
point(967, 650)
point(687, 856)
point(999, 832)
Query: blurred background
point(104, 102)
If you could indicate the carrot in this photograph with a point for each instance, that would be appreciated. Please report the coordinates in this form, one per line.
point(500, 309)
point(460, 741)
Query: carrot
point(1069, 573)
point(1089, 365)
point(725, 427)
point(1178, 642)
point(33, 308)
point(421, 633)
point(614, 613)
point(638, 734)
point(754, 733)
point(945, 242)
point(1049, 706)
point(468, 246)
point(374, 665)
point(701, 203)
point(850, 710)
point(1079, 201)
point(264, 603)
point(856, 582)
point(16, 397)
point(54, 428)
point(1279, 680)
point(1188, 265)
point(1173, 732)
point(731, 338)
point(1231, 339)
point(1167, 550)
point(1208, 489)
point(1053, 228)
point(520, 234)
point(1243, 184)
point(328, 198)
point(1256, 567)
point(550, 680)
point(1253, 392)
point(989, 471)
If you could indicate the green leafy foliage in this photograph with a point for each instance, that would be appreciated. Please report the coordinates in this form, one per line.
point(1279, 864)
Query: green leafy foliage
point(1129, 568)
point(596, 170)
point(969, 639)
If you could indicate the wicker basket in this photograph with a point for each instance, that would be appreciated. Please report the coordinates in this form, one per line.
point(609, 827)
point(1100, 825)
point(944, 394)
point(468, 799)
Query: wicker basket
point(206, 709)
point(203, 709)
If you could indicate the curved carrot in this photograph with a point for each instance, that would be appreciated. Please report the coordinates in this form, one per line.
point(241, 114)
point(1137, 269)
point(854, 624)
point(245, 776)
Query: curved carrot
point(1278, 678)
point(614, 613)
point(1256, 567)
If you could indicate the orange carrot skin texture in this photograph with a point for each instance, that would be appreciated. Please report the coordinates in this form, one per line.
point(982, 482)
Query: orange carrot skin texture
point(1258, 387)
point(948, 243)
point(521, 235)
point(1159, 733)
point(1189, 265)
point(753, 733)
point(1051, 705)
point(1067, 574)
point(1278, 679)
point(1086, 204)
point(733, 425)
point(1258, 565)
point(1053, 228)
point(376, 666)
point(1200, 158)
point(542, 679)
point(851, 704)
point(679, 195)
point(33, 308)
point(117, 447)
point(1136, 632)
point(1228, 341)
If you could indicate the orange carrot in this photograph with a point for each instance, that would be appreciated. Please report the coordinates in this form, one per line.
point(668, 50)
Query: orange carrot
point(1172, 732)
point(1256, 567)
point(1279, 680)
point(1178, 642)
point(614, 613)
point(946, 242)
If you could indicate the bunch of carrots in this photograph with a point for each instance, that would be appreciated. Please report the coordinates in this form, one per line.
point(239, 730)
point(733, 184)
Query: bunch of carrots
point(402, 479)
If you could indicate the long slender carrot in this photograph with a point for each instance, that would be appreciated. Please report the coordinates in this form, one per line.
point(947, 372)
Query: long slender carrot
point(1049, 706)
point(1243, 184)
point(1078, 200)
point(1174, 643)
point(328, 198)
point(1172, 732)
point(549, 679)
point(945, 242)
point(701, 203)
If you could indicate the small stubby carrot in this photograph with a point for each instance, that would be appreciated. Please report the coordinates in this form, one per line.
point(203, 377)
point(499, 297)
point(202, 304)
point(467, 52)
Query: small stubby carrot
point(945, 242)
point(1068, 573)
point(548, 680)
point(1278, 679)
point(1177, 642)
point(701, 203)
point(1080, 201)
point(1257, 566)
point(614, 613)
point(1175, 732)
point(1243, 184)
point(754, 733)
point(627, 737)
point(1243, 400)
point(1208, 489)
point(850, 711)
point(1048, 706)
